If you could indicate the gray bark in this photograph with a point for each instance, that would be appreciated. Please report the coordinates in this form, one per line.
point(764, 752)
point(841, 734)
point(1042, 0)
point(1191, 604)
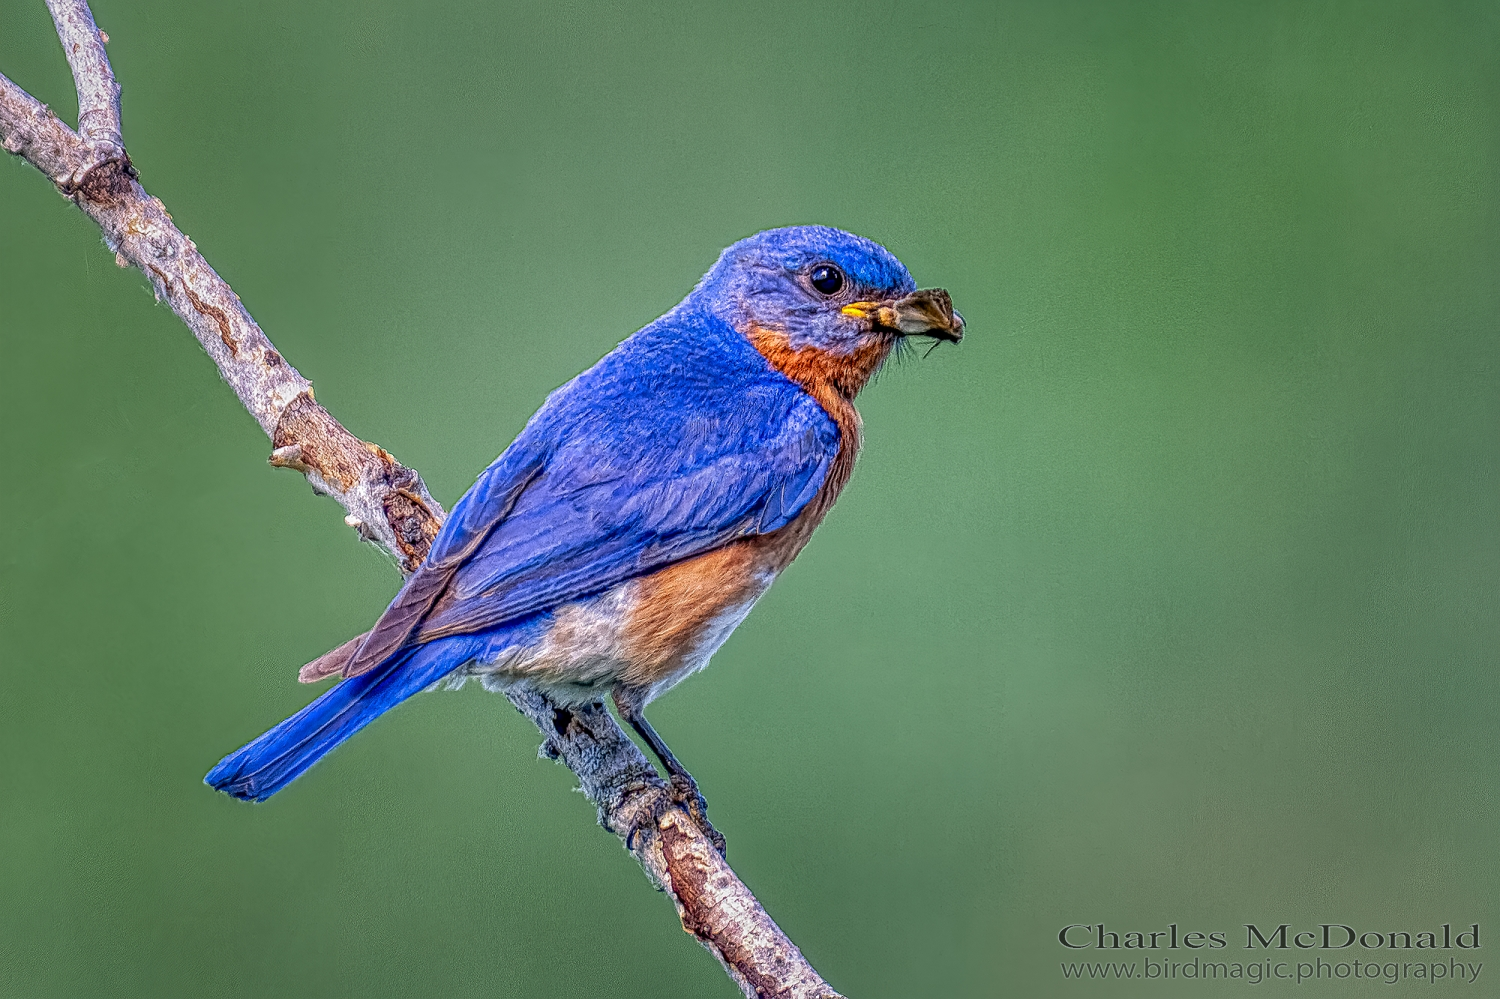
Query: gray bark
point(387, 503)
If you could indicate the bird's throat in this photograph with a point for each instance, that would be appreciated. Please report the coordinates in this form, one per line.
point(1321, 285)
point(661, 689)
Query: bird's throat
point(832, 379)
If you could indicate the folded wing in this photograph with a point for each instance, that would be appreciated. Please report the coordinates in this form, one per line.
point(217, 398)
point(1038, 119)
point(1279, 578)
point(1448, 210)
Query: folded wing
point(588, 497)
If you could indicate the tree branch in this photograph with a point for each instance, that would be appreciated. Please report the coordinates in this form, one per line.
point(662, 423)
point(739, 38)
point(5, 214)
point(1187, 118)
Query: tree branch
point(387, 503)
point(98, 93)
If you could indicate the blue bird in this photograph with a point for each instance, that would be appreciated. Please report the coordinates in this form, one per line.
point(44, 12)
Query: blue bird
point(646, 506)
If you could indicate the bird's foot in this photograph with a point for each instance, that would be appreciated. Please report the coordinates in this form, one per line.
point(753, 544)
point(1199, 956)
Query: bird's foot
point(684, 791)
point(681, 793)
point(647, 818)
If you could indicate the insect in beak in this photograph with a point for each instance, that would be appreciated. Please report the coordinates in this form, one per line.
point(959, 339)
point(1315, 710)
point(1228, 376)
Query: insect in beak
point(928, 312)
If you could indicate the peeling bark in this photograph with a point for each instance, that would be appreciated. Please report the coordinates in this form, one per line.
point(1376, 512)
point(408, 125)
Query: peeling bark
point(387, 503)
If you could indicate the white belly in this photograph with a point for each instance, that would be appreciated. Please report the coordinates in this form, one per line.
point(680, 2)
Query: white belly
point(587, 650)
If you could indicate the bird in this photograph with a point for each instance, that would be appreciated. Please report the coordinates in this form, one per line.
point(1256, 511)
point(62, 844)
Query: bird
point(628, 529)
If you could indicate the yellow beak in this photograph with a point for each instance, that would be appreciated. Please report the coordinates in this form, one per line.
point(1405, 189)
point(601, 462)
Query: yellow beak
point(928, 312)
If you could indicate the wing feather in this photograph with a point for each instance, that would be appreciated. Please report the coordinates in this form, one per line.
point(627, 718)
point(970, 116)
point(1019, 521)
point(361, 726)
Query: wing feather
point(615, 477)
point(563, 542)
point(475, 515)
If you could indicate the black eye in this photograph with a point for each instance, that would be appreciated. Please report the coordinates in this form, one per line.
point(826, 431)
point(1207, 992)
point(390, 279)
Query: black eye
point(827, 278)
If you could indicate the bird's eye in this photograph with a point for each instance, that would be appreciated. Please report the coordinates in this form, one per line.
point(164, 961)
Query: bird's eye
point(827, 278)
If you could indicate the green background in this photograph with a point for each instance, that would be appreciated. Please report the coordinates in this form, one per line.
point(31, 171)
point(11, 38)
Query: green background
point(1168, 596)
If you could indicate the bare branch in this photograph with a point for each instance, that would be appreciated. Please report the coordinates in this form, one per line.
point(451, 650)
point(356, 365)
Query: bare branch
point(712, 902)
point(29, 129)
point(98, 93)
point(386, 502)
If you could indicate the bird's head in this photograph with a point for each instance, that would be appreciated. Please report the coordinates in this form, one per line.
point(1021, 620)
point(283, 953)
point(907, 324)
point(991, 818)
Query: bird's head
point(823, 290)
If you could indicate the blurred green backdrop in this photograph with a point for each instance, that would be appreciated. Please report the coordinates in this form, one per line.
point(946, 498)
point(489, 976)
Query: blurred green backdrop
point(1169, 596)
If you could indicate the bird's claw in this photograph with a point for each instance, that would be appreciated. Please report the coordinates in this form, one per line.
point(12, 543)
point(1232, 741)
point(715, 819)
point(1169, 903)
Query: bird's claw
point(685, 792)
point(682, 793)
point(648, 816)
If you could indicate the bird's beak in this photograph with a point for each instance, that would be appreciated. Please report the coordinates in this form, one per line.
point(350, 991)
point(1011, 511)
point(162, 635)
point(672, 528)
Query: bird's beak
point(928, 312)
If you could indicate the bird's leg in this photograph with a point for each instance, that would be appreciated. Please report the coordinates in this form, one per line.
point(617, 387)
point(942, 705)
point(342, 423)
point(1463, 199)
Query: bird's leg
point(684, 789)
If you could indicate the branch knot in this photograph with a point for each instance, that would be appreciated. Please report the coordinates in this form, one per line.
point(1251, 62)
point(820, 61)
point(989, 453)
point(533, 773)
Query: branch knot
point(106, 179)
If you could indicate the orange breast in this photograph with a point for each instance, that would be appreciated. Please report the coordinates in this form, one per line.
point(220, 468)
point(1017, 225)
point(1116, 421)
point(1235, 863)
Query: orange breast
point(677, 609)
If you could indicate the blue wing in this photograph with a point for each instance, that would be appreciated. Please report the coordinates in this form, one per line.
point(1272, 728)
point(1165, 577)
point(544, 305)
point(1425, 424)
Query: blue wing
point(637, 463)
point(667, 448)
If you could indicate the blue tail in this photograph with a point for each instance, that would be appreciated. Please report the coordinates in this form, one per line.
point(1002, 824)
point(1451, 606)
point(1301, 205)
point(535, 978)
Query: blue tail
point(256, 771)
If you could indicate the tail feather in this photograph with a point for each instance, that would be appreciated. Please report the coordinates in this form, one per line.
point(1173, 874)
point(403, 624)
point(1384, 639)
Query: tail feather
point(332, 662)
point(259, 769)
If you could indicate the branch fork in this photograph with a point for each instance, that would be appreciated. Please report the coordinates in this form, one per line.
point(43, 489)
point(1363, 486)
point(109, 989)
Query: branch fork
point(386, 502)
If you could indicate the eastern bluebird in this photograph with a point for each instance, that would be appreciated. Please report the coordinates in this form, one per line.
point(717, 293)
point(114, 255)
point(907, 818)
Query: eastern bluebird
point(644, 508)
